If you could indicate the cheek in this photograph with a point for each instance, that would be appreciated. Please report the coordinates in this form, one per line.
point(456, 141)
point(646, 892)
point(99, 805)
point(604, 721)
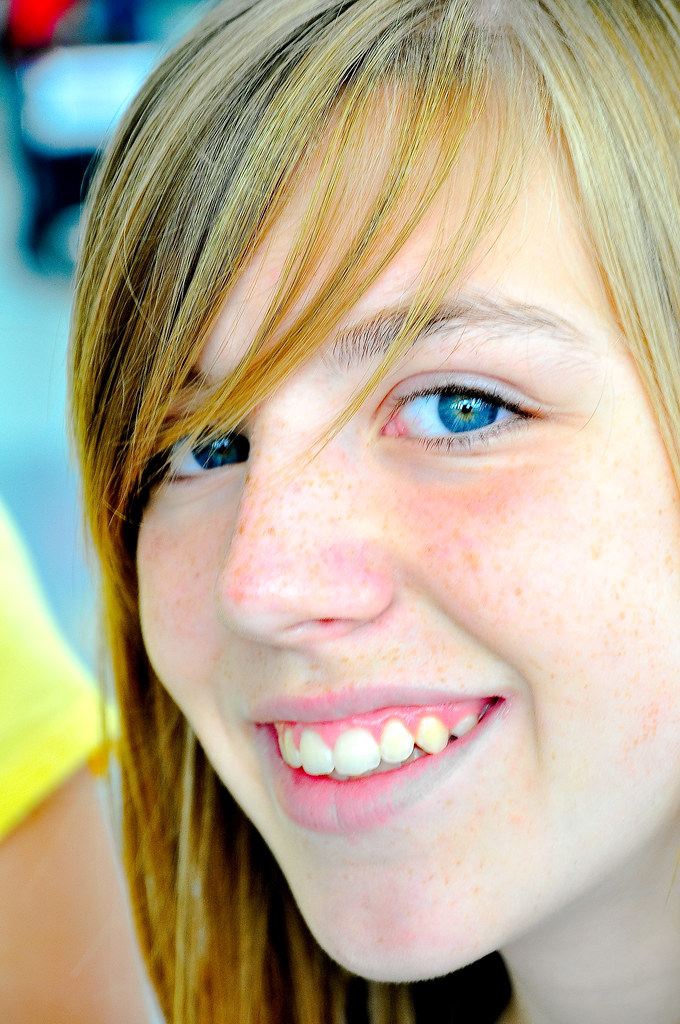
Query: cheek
point(175, 566)
point(512, 547)
point(569, 574)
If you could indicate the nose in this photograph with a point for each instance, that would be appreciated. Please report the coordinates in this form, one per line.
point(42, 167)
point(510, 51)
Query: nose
point(306, 558)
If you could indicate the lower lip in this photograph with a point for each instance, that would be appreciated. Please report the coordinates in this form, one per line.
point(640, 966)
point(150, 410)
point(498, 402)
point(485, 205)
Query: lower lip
point(329, 805)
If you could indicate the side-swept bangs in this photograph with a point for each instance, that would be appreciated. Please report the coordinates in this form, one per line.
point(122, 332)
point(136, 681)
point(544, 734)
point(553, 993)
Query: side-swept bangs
point(368, 118)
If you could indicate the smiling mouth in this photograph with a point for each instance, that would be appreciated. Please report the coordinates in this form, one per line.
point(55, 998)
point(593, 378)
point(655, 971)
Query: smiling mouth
point(381, 741)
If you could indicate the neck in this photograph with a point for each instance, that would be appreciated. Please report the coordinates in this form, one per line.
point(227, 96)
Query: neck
point(612, 958)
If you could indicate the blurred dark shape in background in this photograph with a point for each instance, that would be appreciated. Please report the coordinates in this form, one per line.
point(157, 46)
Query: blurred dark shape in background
point(33, 25)
point(75, 66)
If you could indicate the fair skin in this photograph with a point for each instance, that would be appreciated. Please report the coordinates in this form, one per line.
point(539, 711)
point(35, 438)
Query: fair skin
point(533, 559)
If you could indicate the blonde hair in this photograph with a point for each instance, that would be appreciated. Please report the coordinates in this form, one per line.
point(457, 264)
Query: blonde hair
point(262, 95)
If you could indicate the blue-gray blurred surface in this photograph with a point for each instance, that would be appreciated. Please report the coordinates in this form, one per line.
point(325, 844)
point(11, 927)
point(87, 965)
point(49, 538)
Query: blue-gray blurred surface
point(37, 481)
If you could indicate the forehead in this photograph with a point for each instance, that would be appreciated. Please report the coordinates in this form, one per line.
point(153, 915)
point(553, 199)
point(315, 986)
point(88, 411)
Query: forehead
point(534, 255)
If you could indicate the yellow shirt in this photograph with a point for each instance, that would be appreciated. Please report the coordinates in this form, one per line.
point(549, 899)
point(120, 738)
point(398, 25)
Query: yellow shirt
point(50, 713)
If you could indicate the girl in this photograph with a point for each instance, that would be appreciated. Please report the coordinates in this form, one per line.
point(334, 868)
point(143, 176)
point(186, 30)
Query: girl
point(376, 388)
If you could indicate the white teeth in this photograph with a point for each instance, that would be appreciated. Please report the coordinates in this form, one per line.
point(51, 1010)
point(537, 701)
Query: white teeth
point(290, 753)
point(315, 755)
point(432, 735)
point(465, 724)
point(356, 752)
point(396, 742)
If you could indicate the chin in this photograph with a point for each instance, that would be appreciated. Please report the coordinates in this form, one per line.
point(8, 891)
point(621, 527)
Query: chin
point(384, 963)
point(376, 948)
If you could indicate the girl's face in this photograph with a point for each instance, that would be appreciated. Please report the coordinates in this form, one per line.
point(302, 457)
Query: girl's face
point(483, 562)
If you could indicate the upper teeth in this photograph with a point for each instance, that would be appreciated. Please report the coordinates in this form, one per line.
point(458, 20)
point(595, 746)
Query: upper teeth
point(356, 751)
point(432, 735)
point(396, 742)
point(316, 757)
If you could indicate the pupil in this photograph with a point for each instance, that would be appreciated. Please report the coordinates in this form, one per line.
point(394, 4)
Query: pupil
point(460, 413)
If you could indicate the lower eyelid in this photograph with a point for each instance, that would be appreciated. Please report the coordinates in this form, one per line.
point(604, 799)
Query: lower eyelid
point(477, 438)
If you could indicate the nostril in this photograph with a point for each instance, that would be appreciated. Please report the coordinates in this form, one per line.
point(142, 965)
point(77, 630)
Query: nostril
point(312, 630)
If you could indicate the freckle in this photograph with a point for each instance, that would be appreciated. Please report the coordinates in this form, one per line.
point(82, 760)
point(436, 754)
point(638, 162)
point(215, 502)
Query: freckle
point(595, 551)
point(472, 561)
point(518, 591)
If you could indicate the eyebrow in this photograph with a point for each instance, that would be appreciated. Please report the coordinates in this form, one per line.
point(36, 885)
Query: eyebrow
point(369, 339)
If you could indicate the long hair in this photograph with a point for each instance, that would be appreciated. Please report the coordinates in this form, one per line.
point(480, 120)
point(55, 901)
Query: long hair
point(261, 97)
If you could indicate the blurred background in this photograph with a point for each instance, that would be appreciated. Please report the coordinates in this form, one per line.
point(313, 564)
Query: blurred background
point(66, 72)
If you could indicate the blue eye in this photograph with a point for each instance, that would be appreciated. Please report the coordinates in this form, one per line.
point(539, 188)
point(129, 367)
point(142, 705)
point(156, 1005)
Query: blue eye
point(224, 451)
point(439, 415)
point(228, 450)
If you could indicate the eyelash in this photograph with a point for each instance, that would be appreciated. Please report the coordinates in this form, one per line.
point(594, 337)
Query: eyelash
point(464, 439)
point(467, 438)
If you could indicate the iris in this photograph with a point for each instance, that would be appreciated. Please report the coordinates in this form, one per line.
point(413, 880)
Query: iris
point(461, 412)
point(223, 451)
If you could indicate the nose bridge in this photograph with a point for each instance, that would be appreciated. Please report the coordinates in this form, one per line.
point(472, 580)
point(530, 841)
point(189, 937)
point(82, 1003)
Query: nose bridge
point(305, 547)
point(284, 512)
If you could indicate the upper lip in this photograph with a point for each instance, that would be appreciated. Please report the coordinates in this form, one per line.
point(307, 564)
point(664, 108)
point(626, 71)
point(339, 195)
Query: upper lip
point(341, 704)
